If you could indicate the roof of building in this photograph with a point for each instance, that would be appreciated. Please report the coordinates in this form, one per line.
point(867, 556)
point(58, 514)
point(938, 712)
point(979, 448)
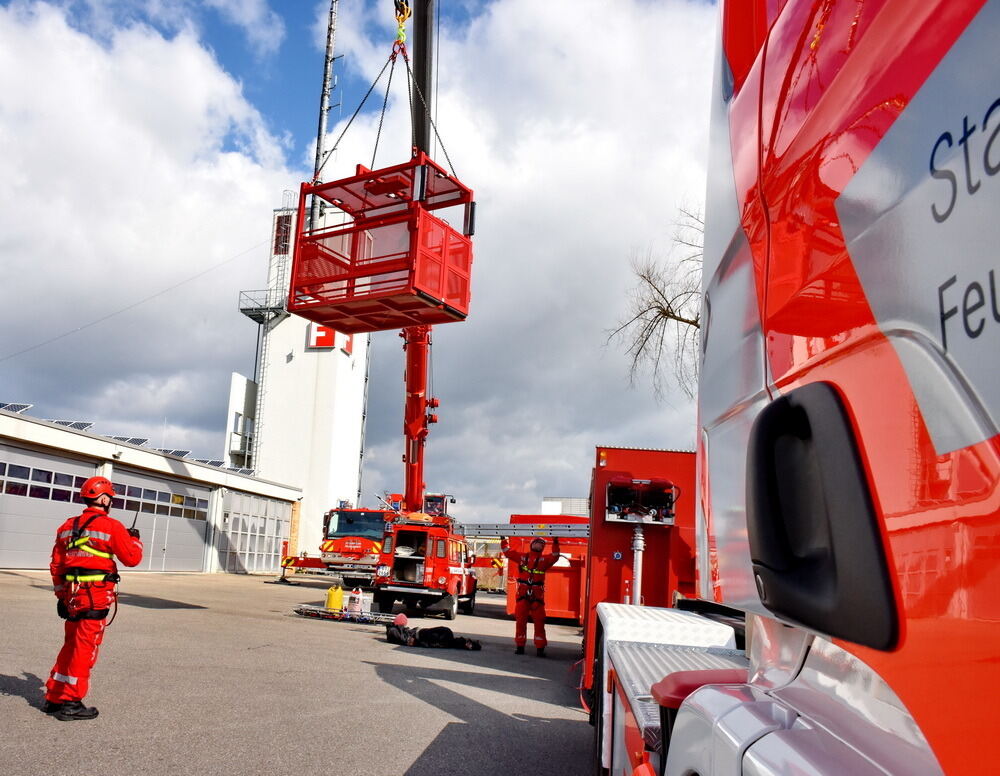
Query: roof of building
point(19, 428)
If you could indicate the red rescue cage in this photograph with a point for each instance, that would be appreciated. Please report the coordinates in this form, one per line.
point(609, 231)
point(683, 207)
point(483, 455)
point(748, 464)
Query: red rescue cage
point(379, 258)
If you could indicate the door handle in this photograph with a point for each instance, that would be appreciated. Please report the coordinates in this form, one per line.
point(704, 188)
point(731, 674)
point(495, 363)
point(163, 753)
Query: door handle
point(815, 537)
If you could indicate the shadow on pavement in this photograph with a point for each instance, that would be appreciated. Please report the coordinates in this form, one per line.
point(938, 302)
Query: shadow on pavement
point(30, 687)
point(486, 741)
point(150, 602)
point(35, 583)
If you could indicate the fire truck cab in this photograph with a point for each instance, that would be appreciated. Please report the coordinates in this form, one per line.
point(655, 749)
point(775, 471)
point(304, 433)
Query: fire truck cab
point(352, 541)
point(425, 562)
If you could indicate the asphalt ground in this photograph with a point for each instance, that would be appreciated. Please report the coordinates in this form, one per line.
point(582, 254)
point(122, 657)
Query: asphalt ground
point(213, 674)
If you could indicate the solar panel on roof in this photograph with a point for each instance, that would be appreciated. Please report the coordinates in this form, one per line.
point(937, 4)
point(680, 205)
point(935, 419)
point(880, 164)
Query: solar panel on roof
point(76, 425)
point(12, 406)
point(137, 441)
point(211, 461)
point(241, 471)
point(178, 453)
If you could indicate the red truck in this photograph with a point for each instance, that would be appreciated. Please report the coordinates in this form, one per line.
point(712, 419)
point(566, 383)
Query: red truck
point(425, 562)
point(849, 411)
point(352, 543)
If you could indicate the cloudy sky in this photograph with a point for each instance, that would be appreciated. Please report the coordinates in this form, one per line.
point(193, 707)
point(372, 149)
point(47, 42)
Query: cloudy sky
point(145, 143)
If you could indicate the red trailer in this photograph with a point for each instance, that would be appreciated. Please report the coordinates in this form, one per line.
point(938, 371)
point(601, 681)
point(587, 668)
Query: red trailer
point(638, 497)
point(564, 582)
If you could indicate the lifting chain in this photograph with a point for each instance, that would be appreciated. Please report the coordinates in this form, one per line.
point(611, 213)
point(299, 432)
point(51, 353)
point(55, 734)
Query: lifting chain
point(402, 13)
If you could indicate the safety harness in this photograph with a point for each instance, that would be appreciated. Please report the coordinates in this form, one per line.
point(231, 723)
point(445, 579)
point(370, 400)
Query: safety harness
point(533, 579)
point(77, 541)
point(78, 577)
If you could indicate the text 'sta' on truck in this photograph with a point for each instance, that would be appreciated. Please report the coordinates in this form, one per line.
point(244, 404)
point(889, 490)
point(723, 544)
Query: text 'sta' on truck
point(425, 562)
point(849, 404)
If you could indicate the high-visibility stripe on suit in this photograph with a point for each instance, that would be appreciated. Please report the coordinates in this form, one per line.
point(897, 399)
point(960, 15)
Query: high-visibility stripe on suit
point(84, 573)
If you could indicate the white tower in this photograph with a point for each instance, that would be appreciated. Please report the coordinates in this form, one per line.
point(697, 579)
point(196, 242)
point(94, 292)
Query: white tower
point(308, 424)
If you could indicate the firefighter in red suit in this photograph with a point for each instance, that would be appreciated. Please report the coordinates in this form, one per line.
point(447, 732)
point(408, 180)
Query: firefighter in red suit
point(530, 598)
point(84, 576)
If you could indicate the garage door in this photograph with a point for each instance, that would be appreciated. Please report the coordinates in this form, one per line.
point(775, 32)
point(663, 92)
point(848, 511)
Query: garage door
point(253, 528)
point(38, 492)
point(172, 517)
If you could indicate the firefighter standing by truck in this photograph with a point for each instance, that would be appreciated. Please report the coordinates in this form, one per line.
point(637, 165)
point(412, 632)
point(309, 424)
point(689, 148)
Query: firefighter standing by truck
point(531, 567)
point(84, 576)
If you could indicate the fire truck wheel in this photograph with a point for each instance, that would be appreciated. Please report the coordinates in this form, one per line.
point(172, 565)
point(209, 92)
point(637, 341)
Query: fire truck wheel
point(452, 611)
point(469, 607)
point(383, 604)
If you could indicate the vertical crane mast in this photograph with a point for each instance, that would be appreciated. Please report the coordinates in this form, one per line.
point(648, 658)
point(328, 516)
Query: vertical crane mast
point(324, 109)
point(417, 339)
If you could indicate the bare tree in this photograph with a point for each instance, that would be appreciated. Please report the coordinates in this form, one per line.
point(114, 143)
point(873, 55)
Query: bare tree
point(662, 324)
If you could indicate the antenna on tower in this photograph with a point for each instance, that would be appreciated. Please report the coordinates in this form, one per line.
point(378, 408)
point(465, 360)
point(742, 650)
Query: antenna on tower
point(324, 108)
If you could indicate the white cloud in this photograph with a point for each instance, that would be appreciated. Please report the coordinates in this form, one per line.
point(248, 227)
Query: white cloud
point(264, 28)
point(130, 164)
point(132, 161)
point(581, 130)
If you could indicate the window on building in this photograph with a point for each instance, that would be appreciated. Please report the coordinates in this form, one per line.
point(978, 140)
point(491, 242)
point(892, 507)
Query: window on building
point(21, 472)
point(282, 234)
point(40, 475)
point(237, 423)
point(16, 488)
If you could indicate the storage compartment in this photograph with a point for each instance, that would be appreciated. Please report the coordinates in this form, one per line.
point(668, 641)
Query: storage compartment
point(647, 501)
point(408, 558)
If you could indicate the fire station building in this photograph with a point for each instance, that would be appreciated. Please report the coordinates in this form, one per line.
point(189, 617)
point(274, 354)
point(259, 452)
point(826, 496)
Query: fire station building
point(193, 516)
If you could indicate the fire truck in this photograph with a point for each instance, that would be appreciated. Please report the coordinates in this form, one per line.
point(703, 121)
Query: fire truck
point(352, 541)
point(425, 562)
point(848, 454)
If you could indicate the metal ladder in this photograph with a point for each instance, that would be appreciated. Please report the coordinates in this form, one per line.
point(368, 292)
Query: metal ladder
point(277, 293)
point(486, 530)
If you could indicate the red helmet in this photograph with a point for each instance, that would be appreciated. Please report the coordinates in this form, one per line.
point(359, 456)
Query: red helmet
point(97, 486)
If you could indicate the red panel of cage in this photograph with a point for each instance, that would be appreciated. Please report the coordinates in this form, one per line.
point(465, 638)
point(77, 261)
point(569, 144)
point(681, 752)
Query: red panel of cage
point(379, 258)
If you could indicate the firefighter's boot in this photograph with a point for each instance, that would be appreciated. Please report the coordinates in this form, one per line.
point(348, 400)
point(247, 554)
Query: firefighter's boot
point(519, 649)
point(51, 707)
point(72, 710)
point(540, 652)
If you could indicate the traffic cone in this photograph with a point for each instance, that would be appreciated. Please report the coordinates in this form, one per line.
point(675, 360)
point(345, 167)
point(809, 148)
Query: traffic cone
point(335, 598)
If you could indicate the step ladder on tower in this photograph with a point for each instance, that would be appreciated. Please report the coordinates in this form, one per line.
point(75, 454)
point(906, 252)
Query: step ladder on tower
point(268, 307)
